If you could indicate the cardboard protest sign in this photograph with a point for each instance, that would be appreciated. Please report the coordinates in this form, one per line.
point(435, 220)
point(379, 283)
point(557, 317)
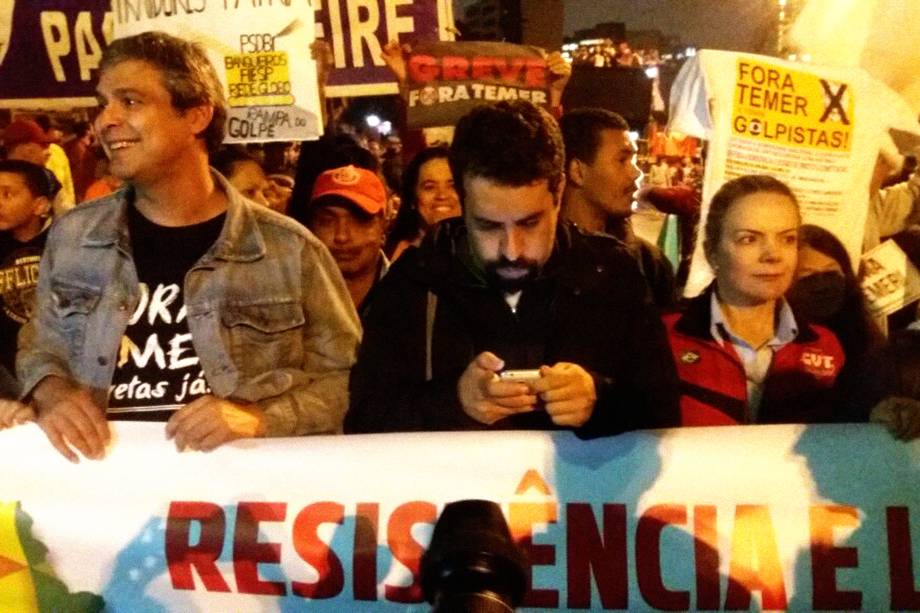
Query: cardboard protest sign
point(261, 51)
point(447, 80)
point(50, 51)
point(888, 279)
point(816, 128)
point(357, 31)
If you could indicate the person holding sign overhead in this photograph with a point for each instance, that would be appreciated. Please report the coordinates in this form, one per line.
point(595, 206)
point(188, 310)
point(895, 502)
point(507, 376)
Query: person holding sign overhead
point(175, 298)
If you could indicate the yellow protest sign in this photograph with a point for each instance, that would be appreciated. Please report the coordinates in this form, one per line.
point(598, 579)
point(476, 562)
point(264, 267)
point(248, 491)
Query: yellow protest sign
point(777, 104)
point(258, 79)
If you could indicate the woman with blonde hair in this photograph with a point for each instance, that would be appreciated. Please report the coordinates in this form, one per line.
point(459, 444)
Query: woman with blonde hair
point(742, 354)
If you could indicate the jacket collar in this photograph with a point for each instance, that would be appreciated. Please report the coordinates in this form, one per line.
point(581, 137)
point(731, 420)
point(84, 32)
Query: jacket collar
point(112, 229)
point(696, 319)
point(239, 240)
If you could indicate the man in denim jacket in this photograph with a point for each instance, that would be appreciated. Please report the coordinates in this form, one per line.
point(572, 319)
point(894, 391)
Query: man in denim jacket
point(255, 307)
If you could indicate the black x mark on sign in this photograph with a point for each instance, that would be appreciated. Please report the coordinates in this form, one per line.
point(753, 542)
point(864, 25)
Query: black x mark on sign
point(834, 102)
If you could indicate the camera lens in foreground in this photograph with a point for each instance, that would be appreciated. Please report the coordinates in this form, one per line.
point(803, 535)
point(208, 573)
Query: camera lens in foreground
point(472, 565)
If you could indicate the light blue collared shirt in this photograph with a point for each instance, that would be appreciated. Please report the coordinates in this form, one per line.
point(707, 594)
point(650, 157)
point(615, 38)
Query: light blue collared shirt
point(756, 360)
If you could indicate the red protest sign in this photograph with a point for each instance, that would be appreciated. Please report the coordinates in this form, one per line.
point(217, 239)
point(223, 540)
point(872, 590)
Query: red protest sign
point(447, 80)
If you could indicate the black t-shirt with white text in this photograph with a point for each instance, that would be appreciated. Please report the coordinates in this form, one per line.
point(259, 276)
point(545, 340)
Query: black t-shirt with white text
point(157, 370)
point(18, 278)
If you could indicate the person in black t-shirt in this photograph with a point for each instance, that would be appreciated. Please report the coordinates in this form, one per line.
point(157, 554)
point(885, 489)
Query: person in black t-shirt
point(26, 192)
point(157, 368)
point(175, 298)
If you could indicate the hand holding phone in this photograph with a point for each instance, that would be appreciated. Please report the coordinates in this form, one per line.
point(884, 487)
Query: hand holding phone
point(487, 396)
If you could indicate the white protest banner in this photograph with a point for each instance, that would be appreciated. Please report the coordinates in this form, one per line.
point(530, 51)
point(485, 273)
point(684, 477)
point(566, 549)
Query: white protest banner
point(780, 517)
point(816, 128)
point(261, 51)
point(888, 278)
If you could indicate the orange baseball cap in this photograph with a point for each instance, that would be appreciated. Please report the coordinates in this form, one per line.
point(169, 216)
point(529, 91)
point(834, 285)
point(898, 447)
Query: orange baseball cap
point(357, 185)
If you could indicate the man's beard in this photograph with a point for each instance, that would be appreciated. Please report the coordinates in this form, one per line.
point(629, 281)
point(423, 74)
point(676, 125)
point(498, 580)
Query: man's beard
point(522, 273)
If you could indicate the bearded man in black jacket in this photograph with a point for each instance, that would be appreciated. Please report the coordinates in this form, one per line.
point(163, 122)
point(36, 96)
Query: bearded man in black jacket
point(507, 287)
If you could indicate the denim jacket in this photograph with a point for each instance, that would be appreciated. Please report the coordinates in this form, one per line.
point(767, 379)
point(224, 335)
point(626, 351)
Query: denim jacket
point(269, 314)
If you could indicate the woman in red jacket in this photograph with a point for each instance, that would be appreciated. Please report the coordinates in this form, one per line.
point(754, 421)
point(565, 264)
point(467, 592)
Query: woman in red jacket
point(741, 355)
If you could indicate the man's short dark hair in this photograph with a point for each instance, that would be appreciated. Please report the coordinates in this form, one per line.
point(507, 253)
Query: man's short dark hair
point(39, 180)
point(512, 143)
point(187, 74)
point(581, 131)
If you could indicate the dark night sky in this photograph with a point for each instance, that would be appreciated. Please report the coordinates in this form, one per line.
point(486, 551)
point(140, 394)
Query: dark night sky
point(737, 25)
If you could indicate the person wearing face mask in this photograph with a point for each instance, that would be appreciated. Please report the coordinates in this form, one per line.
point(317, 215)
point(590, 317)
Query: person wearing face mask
point(826, 291)
point(742, 354)
point(873, 382)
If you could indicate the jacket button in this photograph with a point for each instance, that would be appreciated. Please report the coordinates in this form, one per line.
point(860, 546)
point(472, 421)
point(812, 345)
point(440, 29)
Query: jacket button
point(102, 361)
point(122, 306)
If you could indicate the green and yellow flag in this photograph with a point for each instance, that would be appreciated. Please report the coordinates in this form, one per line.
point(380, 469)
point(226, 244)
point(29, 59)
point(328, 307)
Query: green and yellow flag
point(27, 581)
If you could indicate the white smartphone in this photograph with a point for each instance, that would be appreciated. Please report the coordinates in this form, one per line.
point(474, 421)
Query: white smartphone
point(522, 376)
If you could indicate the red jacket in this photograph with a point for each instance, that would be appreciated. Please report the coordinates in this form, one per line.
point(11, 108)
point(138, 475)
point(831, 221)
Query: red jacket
point(799, 387)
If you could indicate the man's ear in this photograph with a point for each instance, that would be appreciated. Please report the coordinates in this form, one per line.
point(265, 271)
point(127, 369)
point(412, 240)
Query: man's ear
point(199, 117)
point(560, 190)
point(41, 206)
point(575, 171)
point(382, 221)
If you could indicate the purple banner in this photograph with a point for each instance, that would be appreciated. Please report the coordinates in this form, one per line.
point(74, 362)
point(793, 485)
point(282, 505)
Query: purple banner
point(50, 49)
point(358, 31)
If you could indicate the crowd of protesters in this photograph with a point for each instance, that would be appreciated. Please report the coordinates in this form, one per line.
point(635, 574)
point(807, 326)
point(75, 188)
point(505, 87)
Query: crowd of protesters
point(356, 283)
point(607, 53)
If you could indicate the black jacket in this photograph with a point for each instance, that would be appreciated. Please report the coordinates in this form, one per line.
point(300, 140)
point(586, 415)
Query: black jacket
point(589, 306)
point(653, 263)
